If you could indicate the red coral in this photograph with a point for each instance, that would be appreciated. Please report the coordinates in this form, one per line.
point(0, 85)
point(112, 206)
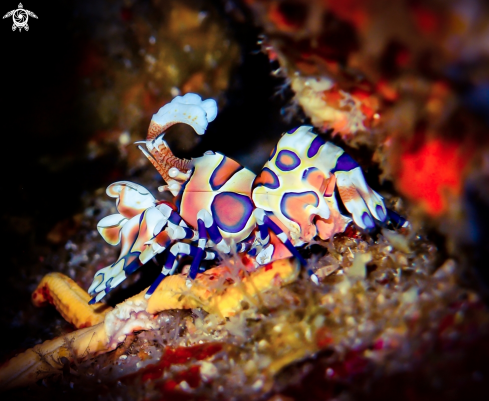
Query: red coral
point(433, 172)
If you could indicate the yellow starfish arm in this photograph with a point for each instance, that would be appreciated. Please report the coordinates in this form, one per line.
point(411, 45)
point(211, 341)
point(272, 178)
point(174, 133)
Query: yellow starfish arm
point(173, 293)
point(134, 314)
point(70, 300)
point(47, 358)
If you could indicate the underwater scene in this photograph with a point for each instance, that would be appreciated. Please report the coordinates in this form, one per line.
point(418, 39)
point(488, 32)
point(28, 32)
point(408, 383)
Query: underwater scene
point(268, 200)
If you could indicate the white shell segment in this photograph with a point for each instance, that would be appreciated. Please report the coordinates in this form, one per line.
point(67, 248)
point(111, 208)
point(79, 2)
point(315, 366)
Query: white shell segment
point(189, 109)
point(103, 275)
point(133, 199)
point(152, 218)
point(110, 228)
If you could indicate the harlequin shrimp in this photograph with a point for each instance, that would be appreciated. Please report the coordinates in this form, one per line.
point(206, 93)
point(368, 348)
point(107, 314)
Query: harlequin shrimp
point(223, 207)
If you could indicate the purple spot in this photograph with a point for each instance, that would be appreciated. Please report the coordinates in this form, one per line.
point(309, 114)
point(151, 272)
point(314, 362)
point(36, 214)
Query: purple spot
point(291, 195)
point(367, 220)
point(292, 130)
point(380, 212)
point(315, 146)
point(267, 178)
point(287, 160)
point(308, 171)
point(345, 163)
point(231, 211)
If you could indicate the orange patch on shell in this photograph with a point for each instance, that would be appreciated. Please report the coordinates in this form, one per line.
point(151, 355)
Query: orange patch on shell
point(267, 178)
point(348, 194)
point(226, 169)
point(317, 180)
point(330, 185)
point(111, 234)
point(293, 206)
